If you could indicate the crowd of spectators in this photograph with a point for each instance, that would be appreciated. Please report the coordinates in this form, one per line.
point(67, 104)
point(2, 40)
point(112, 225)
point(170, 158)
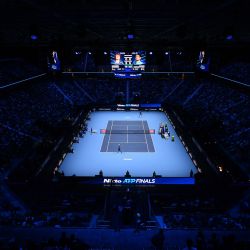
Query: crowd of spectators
point(65, 242)
point(221, 111)
point(15, 69)
point(214, 241)
point(128, 208)
point(191, 220)
point(28, 118)
point(245, 205)
point(153, 90)
point(210, 211)
point(54, 219)
point(237, 71)
point(101, 91)
point(54, 208)
point(199, 240)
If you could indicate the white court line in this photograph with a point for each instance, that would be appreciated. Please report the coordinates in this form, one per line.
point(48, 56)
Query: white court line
point(109, 136)
point(127, 133)
point(138, 129)
point(143, 128)
point(145, 134)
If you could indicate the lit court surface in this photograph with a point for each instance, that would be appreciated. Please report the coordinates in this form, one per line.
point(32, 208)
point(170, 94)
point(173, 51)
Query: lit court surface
point(130, 136)
point(143, 151)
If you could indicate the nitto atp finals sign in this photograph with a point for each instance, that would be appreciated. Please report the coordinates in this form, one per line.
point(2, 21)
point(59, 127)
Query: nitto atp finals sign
point(148, 181)
point(129, 181)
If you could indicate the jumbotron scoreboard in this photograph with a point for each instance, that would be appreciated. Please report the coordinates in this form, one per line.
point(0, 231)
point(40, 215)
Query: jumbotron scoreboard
point(128, 61)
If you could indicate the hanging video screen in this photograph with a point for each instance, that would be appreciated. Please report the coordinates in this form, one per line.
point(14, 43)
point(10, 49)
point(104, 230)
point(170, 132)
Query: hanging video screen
point(53, 61)
point(124, 61)
point(203, 61)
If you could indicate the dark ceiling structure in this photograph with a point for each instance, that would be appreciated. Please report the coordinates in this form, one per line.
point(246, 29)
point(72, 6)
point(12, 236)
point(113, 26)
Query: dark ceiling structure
point(103, 23)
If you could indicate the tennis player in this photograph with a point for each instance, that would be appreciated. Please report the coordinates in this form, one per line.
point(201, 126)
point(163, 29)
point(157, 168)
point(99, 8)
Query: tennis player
point(119, 148)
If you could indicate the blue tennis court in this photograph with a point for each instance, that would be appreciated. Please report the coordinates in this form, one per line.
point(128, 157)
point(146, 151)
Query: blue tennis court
point(128, 136)
point(142, 151)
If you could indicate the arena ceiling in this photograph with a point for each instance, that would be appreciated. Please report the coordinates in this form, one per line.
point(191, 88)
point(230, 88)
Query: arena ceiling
point(108, 23)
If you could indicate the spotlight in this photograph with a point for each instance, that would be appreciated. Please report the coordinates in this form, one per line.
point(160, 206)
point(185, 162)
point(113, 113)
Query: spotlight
point(150, 53)
point(89, 53)
point(33, 37)
point(130, 36)
point(229, 37)
point(166, 53)
point(105, 53)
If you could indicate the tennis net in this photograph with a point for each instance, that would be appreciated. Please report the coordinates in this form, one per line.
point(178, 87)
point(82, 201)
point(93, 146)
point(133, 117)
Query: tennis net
point(130, 131)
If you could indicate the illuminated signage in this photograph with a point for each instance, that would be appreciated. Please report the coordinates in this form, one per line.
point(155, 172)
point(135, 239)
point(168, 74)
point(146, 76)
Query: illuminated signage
point(129, 181)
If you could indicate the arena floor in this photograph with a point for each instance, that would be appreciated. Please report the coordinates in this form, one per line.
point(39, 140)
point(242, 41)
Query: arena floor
point(140, 153)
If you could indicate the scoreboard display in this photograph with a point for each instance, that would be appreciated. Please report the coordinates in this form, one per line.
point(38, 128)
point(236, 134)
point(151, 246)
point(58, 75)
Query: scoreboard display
point(124, 61)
